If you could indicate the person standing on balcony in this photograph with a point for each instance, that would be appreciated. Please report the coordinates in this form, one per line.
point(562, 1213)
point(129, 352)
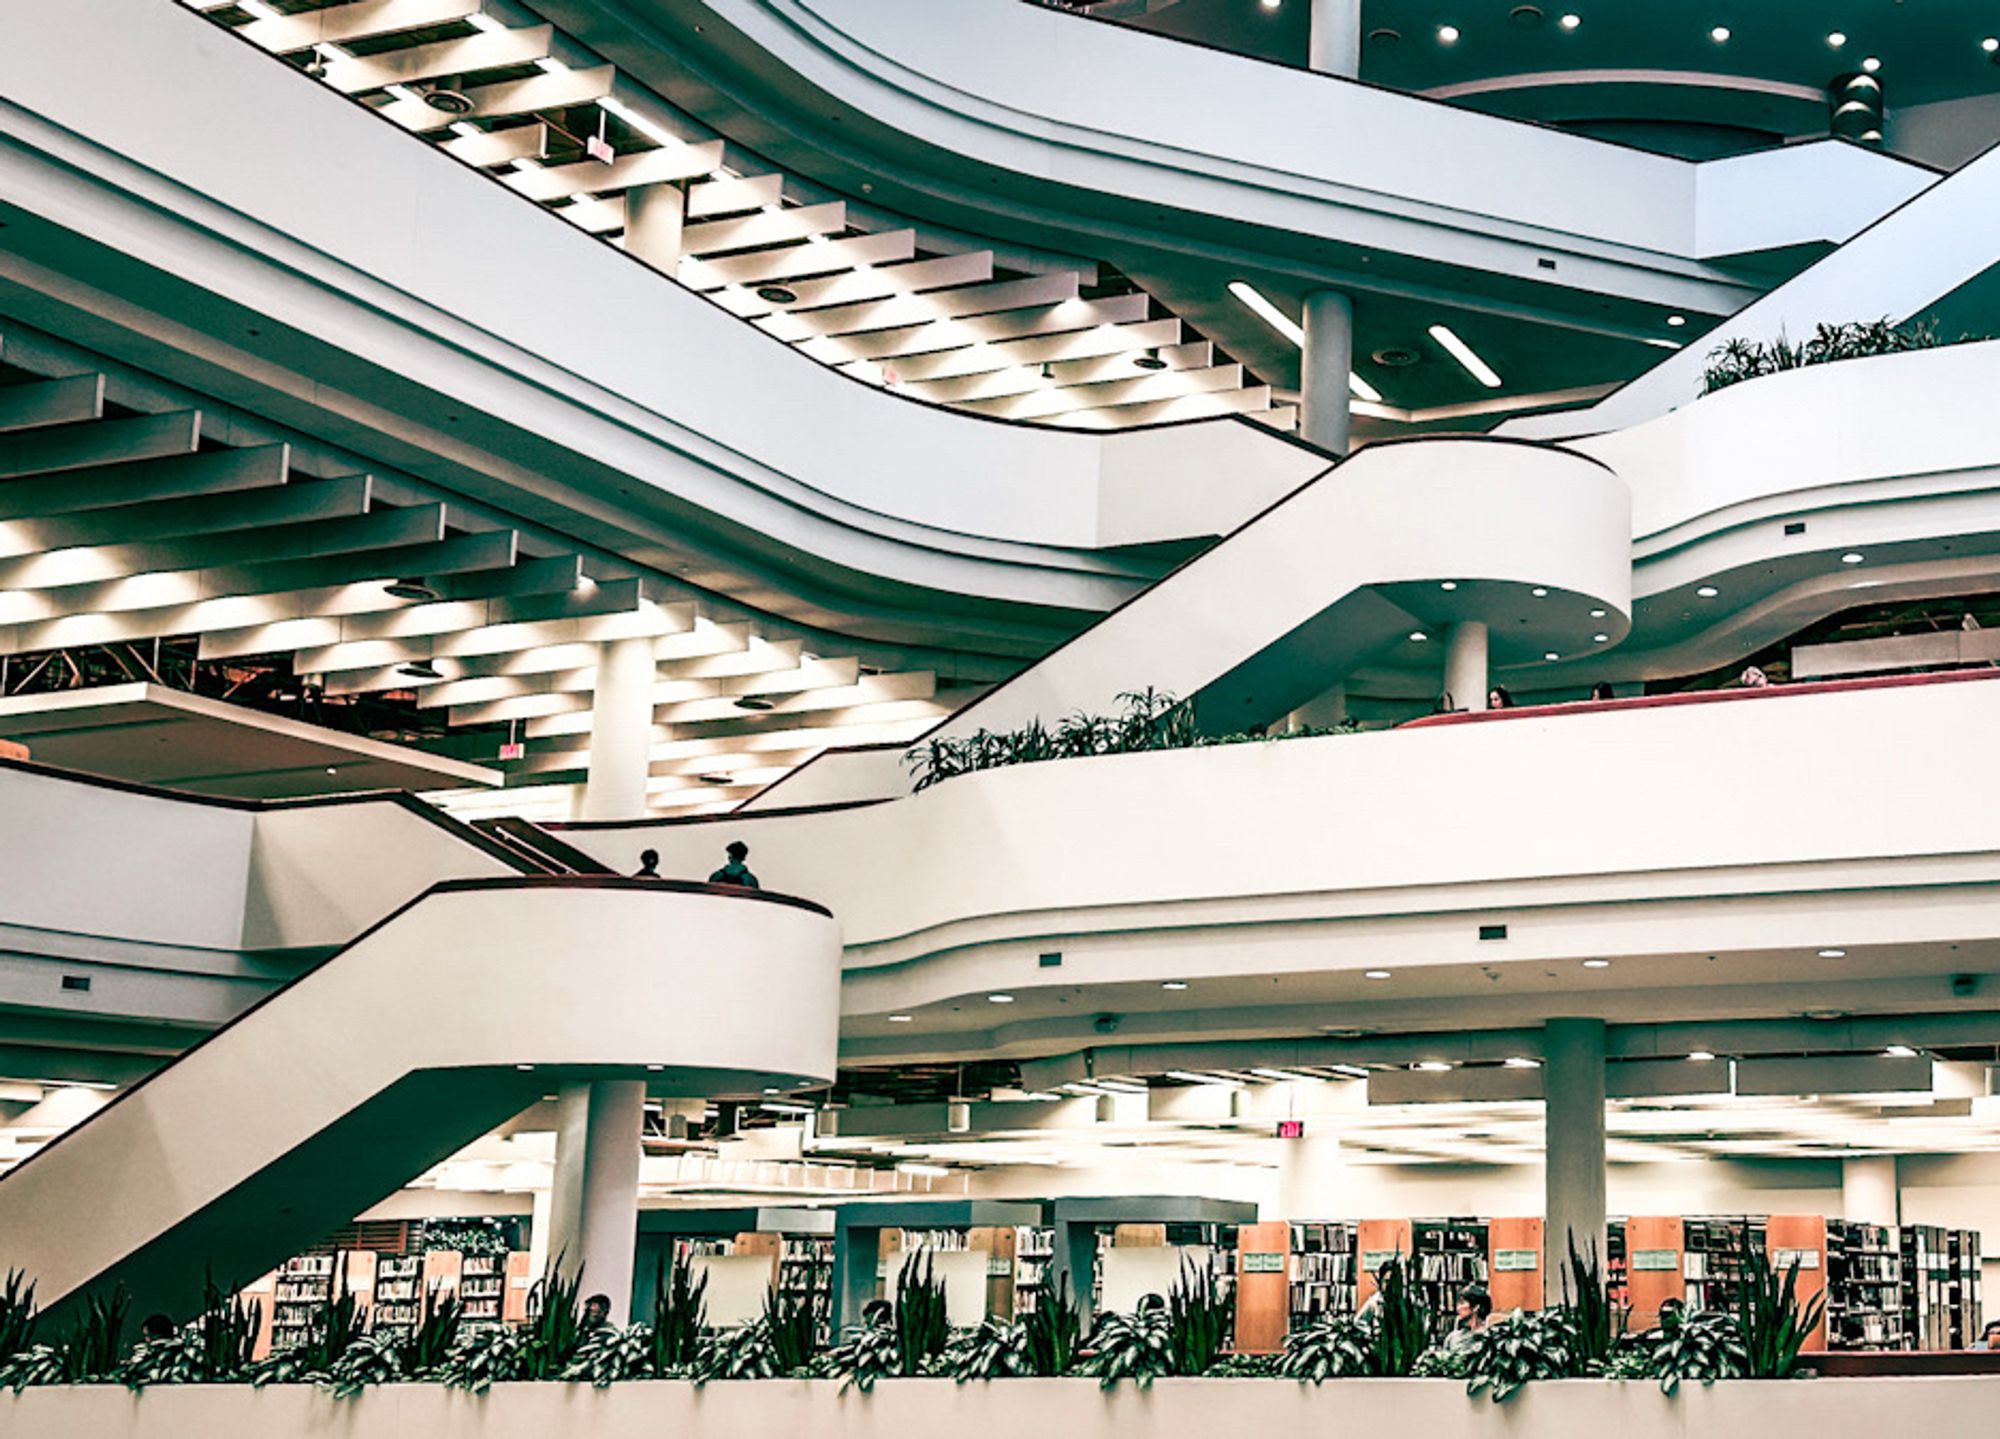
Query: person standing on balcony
point(649, 865)
point(736, 871)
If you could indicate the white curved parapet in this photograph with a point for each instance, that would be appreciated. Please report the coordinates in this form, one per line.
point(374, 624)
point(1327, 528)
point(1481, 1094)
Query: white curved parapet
point(448, 1017)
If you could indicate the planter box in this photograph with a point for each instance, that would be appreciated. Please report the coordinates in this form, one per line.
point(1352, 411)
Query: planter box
point(1946, 1408)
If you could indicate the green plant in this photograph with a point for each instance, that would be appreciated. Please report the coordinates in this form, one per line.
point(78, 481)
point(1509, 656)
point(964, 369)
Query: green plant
point(606, 1355)
point(1199, 1320)
point(995, 1350)
point(486, 1357)
point(370, 1360)
point(744, 1353)
point(88, 1349)
point(1598, 1323)
point(227, 1331)
point(1739, 360)
point(1541, 1344)
point(336, 1322)
point(1775, 1325)
point(1053, 1329)
point(435, 1335)
point(1335, 1346)
point(1703, 1347)
point(868, 1353)
point(18, 1315)
point(1402, 1327)
point(1245, 1366)
point(921, 1326)
point(680, 1313)
point(1137, 1346)
point(793, 1325)
point(554, 1327)
point(1440, 1363)
point(483, 1240)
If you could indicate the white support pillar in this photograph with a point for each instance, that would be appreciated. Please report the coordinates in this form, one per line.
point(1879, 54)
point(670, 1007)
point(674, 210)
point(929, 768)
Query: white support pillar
point(1322, 712)
point(1465, 664)
point(621, 731)
point(1310, 1174)
point(1573, 1117)
point(1325, 363)
point(1868, 1189)
point(653, 218)
point(1335, 44)
point(539, 1225)
point(594, 1203)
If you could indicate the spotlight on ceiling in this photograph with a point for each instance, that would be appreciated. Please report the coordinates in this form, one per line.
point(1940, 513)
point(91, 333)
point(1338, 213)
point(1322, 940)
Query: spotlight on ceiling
point(1417, 637)
point(1707, 592)
point(1871, 64)
point(1550, 655)
point(1570, 22)
point(754, 704)
point(1852, 557)
point(717, 778)
point(1833, 954)
point(1260, 305)
point(1376, 974)
point(1701, 1056)
point(1447, 34)
point(1990, 44)
point(419, 670)
point(1174, 984)
point(447, 99)
point(1431, 1066)
point(1900, 1051)
point(777, 294)
point(1150, 360)
point(412, 589)
point(1720, 34)
point(1597, 964)
point(1836, 39)
point(1676, 321)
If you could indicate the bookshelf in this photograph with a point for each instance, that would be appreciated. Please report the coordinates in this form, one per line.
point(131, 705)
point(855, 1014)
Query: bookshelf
point(805, 1276)
point(1446, 1255)
point(1864, 1286)
point(1034, 1254)
point(398, 1304)
point(1712, 1259)
point(1941, 1300)
point(1324, 1261)
point(482, 1289)
point(303, 1287)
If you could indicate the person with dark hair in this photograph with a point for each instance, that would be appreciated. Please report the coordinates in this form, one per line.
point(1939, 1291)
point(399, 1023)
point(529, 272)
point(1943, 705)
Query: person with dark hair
point(1475, 1308)
point(1497, 698)
point(878, 1314)
point(156, 1327)
point(1989, 1337)
point(649, 865)
point(1602, 691)
point(1672, 1312)
point(736, 871)
point(596, 1312)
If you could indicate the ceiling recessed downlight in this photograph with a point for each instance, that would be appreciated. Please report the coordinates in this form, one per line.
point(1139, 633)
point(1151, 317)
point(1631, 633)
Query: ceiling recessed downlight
point(1550, 655)
point(1602, 639)
point(1836, 39)
point(1871, 64)
point(1539, 592)
point(999, 999)
point(1701, 1056)
point(1852, 557)
point(1720, 34)
point(1431, 1066)
point(1418, 637)
point(419, 670)
point(1570, 22)
point(1597, 964)
point(1174, 984)
point(1150, 360)
point(1519, 1061)
point(754, 704)
point(410, 589)
point(777, 294)
point(901, 1018)
point(1990, 44)
point(1597, 614)
point(1833, 954)
point(1677, 320)
point(1466, 356)
point(1707, 592)
point(1447, 34)
point(1900, 1051)
point(1376, 974)
point(1448, 585)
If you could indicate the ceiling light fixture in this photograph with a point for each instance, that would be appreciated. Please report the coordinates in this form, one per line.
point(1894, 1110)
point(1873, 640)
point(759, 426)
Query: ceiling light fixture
point(1852, 557)
point(1871, 64)
point(901, 1018)
point(1550, 655)
point(999, 999)
point(754, 704)
point(1431, 1066)
point(1150, 360)
point(1602, 639)
point(447, 99)
point(1836, 39)
point(1990, 44)
point(1519, 1061)
point(1447, 34)
point(1539, 592)
point(1273, 4)
point(777, 294)
point(1833, 954)
point(1677, 320)
point(1597, 964)
point(1570, 22)
point(1418, 637)
point(1597, 614)
point(1720, 34)
point(1465, 355)
point(719, 777)
point(1260, 305)
point(1701, 1056)
point(524, 1068)
point(1376, 974)
point(1899, 1051)
point(1707, 592)
point(419, 670)
point(1174, 984)
point(1448, 585)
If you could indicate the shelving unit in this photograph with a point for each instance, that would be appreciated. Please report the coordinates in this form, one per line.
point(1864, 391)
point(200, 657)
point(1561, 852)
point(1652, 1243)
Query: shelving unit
point(1712, 1259)
point(399, 1294)
point(805, 1275)
point(1864, 1287)
point(1446, 1255)
point(1323, 1267)
point(1034, 1256)
point(482, 1289)
point(303, 1285)
point(1941, 1302)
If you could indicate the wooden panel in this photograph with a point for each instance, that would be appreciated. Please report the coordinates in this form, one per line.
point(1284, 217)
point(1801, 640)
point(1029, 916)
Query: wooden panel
point(1648, 1289)
point(1806, 1234)
point(1139, 1236)
point(520, 1283)
point(1514, 1288)
point(997, 1243)
point(1374, 1237)
point(1263, 1294)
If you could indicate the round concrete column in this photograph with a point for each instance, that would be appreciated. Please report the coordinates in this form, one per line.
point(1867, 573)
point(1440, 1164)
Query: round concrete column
point(621, 731)
point(1309, 1179)
point(1573, 1119)
point(1335, 45)
point(594, 1201)
point(653, 217)
point(1465, 664)
point(1324, 367)
point(1868, 1192)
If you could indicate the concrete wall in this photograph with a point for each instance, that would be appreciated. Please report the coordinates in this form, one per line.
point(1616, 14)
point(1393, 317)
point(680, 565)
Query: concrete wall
point(1959, 1408)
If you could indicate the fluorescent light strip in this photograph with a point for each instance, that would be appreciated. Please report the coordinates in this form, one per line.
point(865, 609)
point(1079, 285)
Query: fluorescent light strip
point(483, 21)
point(1466, 356)
point(1285, 325)
point(257, 10)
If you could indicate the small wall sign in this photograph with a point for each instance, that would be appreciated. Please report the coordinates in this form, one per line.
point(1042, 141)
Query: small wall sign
point(1516, 1261)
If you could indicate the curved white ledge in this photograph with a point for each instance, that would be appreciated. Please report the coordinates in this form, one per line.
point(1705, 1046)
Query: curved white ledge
point(406, 1046)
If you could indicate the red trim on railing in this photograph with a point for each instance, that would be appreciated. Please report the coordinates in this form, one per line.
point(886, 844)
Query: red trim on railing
point(1701, 697)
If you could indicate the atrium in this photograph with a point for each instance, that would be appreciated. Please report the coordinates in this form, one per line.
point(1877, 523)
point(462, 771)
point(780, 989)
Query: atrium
point(884, 692)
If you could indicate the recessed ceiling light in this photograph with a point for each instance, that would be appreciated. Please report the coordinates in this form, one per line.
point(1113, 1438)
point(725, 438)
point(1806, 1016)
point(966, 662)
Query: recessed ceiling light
point(411, 589)
point(777, 294)
point(1418, 636)
point(999, 999)
point(331, 770)
point(1707, 592)
point(1518, 1061)
point(1990, 44)
point(1720, 34)
point(524, 1068)
point(1273, 4)
point(901, 1018)
point(1836, 39)
point(754, 704)
point(1539, 592)
point(1871, 64)
point(1447, 34)
point(1701, 1056)
point(1833, 954)
point(1602, 639)
point(1852, 557)
point(1150, 360)
point(1175, 984)
point(1550, 655)
point(1900, 1051)
point(1449, 585)
point(1376, 974)
point(1597, 614)
point(1597, 964)
point(1466, 356)
point(1431, 1066)
point(419, 670)
point(1677, 320)
point(1570, 22)
point(655, 1068)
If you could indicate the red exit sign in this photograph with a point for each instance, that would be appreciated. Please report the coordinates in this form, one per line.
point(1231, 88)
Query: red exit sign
point(1291, 1129)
